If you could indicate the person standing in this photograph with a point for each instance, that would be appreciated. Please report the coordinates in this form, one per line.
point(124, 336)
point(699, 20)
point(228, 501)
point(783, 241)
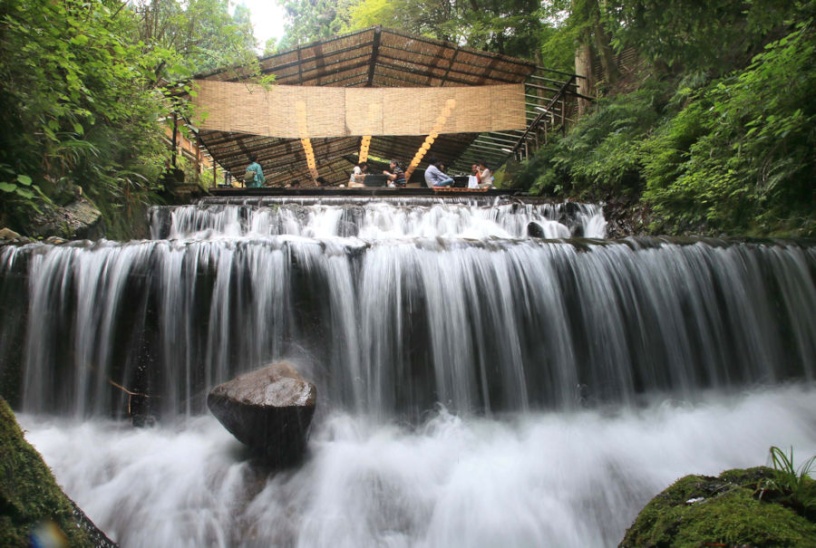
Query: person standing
point(434, 177)
point(254, 177)
point(396, 175)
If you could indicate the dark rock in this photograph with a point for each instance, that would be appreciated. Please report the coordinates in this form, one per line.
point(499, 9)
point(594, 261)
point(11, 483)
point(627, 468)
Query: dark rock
point(626, 218)
point(536, 229)
point(79, 219)
point(270, 410)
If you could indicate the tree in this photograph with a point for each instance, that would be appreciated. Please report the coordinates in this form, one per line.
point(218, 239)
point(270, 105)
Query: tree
point(82, 94)
point(71, 114)
point(512, 27)
point(699, 35)
point(310, 20)
point(194, 37)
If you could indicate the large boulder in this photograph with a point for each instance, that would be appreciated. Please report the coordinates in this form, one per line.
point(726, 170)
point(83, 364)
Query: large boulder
point(77, 220)
point(270, 410)
point(738, 508)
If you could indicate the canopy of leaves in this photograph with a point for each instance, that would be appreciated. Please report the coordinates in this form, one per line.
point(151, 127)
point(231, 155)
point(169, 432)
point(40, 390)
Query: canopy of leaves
point(512, 27)
point(80, 102)
point(717, 145)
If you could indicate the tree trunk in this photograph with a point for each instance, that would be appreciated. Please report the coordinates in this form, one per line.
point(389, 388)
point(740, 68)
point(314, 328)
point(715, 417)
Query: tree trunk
point(583, 67)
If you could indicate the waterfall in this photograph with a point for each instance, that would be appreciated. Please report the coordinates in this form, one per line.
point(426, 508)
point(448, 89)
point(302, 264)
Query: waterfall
point(383, 218)
point(477, 384)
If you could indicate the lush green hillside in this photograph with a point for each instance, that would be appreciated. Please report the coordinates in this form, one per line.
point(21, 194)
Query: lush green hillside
point(713, 133)
point(85, 89)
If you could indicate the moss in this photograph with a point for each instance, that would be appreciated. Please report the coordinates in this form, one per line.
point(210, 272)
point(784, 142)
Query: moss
point(706, 511)
point(30, 497)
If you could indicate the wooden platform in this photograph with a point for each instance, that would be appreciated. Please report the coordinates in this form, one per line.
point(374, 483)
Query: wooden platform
point(438, 189)
point(360, 192)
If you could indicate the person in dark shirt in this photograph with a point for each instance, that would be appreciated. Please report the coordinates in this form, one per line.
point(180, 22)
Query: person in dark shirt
point(395, 174)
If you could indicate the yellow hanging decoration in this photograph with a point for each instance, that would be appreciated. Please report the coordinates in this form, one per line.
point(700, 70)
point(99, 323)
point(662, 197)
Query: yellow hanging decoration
point(441, 120)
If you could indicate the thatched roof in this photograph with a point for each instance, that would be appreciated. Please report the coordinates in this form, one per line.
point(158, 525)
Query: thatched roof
point(377, 57)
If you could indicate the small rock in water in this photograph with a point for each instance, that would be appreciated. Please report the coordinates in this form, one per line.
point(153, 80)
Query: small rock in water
point(270, 410)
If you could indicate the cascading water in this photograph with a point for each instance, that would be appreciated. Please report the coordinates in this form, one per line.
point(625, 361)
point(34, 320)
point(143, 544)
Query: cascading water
point(477, 386)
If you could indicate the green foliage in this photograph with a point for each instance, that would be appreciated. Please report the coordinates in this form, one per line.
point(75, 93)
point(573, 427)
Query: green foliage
point(697, 35)
point(739, 156)
point(558, 47)
point(512, 27)
point(310, 20)
point(790, 485)
point(602, 155)
point(56, 92)
point(19, 191)
point(180, 39)
point(729, 154)
point(84, 88)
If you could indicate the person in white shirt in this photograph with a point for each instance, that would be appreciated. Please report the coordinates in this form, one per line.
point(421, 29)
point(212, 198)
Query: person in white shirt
point(358, 175)
point(485, 175)
point(473, 178)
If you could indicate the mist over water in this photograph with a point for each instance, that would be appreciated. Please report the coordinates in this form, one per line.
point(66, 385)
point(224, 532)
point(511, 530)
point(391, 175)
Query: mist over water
point(538, 479)
point(489, 372)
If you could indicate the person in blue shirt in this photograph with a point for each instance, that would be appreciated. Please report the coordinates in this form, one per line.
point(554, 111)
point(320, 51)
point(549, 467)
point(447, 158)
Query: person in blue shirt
point(434, 176)
point(254, 177)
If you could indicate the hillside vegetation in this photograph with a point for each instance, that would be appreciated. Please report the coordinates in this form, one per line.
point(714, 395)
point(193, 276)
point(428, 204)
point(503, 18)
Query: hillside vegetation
point(713, 132)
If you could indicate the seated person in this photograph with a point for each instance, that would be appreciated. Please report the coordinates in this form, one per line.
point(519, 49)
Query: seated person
point(434, 177)
point(396, 176)
point(485, 175)
point(358, 175)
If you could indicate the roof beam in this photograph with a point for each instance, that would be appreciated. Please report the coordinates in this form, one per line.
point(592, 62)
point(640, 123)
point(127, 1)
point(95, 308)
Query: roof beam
point(375, 52)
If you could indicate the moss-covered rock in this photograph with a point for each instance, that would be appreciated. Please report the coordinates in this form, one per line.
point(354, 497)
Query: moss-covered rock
point(31, 502)
point(724, 511)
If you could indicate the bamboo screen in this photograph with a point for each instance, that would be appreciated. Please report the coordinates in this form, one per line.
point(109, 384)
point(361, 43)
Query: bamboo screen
point(278, 111)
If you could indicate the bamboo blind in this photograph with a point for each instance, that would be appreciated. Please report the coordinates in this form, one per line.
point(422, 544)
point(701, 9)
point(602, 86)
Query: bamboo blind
point(278, 111)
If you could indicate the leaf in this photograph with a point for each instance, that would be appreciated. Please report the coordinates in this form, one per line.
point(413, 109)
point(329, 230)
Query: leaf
point(8, 187)
point(24, 180)
point(79, 40)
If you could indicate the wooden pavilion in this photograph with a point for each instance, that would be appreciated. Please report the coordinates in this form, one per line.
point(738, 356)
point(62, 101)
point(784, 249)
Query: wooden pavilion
point(382, 58)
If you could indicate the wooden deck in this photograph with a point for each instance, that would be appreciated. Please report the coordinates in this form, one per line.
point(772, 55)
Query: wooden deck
point(360, 192)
